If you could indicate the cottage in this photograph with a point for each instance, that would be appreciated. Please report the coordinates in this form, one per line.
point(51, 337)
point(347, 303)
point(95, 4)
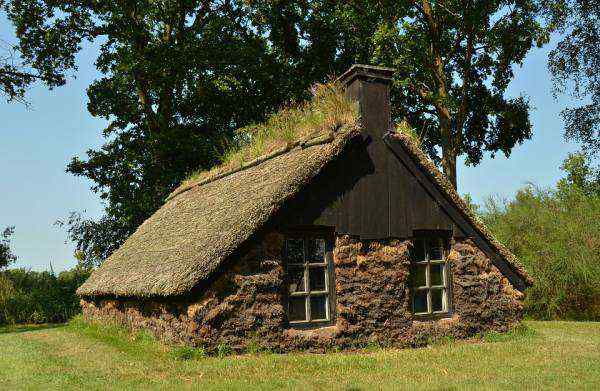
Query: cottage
point(348, 238)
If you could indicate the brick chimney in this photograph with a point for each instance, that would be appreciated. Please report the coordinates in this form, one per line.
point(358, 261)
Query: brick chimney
point(370, 86)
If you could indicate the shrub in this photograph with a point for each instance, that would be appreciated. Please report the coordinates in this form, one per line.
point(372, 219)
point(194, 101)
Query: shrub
point(556, 234)
point(39, 297)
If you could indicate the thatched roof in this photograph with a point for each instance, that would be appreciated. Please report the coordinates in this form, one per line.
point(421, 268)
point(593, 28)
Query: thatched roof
point(203, 223)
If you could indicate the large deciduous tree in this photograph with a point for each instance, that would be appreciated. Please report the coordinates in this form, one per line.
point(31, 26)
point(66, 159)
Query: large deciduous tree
point(178, 76)
point(575, 66)
point(455, 60)
point(17, 74)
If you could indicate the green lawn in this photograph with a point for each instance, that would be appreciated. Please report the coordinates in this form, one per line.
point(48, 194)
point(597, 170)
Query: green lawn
point(548, 355)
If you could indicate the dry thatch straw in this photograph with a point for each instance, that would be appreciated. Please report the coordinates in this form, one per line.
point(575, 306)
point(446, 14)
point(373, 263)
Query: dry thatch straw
point(185, 241)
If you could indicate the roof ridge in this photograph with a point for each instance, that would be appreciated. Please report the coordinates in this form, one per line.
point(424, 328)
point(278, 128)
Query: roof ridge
point(318, 139)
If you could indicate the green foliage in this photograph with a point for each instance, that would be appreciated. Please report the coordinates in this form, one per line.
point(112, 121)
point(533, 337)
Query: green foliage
point(574, 65)
point(6, 255)
point(139, 343)
point(372, 346)
point(405, 128)
point(455, 60)
point(445, 340)
point(177, 78)
point(470, 203)
point(39, 297)
point(580, 174)
point(187, 353)
point(16, 75)
point(556, 234)
point(136, 343)
point(223, 350)
point(519, 332)
point(253, 346)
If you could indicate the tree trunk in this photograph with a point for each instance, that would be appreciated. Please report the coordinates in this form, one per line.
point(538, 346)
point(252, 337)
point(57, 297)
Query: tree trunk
point(449, 165)
point(445, 117)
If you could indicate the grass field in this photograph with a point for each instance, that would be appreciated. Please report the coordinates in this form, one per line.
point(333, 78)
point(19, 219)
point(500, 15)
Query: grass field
point(543, 355)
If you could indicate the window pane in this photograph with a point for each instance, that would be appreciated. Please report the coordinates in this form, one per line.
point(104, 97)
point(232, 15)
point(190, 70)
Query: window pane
point(418, 250)
point(317, 278)
point(437, 300)
point(296, 278)
point(419, 275)
point(420, 301)
point(436, 252)
point(297, 310)
point(295, 250)
point(316, 250)
point(318, 307)
point(436, 274)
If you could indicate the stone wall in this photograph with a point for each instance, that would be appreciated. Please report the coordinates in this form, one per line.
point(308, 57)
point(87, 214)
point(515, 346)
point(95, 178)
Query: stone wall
point(244, 307)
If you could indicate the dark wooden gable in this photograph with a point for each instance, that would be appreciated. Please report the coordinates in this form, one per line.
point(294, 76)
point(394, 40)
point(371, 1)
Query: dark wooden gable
point(356, 198)
point(369, 192)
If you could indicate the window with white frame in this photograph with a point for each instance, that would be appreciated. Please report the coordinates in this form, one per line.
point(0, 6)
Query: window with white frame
point(430, 276)
point(309, 273)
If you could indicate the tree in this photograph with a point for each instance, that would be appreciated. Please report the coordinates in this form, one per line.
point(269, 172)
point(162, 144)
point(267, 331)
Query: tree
point(580, 175)
point(455, 59)
point(575, 65)
point(555, 232)
point(6, 256)
point(13, 79)
point(17, 73)
point(179, 76)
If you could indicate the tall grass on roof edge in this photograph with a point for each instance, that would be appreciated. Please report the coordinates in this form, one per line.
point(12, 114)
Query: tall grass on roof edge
point(326, 111)
point(405, 128)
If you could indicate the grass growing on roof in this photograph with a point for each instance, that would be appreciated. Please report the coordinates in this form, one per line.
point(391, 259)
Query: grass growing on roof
point(328, 110)
point(404, 128)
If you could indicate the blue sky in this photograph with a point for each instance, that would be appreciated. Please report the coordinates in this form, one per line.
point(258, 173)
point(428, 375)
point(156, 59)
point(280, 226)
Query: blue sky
point(36, 144)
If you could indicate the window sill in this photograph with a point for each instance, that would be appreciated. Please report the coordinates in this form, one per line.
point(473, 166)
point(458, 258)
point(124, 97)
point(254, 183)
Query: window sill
point(430, 317)
point(326, 330)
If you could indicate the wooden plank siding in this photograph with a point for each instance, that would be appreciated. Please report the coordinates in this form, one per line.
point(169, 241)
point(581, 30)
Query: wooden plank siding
point(375, 190)
point(349, 196)
point(368, 192)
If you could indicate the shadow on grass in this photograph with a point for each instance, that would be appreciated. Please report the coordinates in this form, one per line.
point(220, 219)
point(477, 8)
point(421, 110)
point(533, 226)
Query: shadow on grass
point(23, 328)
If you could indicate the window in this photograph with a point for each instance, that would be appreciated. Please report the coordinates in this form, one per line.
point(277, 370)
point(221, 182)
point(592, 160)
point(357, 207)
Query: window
point(430, 276)
point(309, 279)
